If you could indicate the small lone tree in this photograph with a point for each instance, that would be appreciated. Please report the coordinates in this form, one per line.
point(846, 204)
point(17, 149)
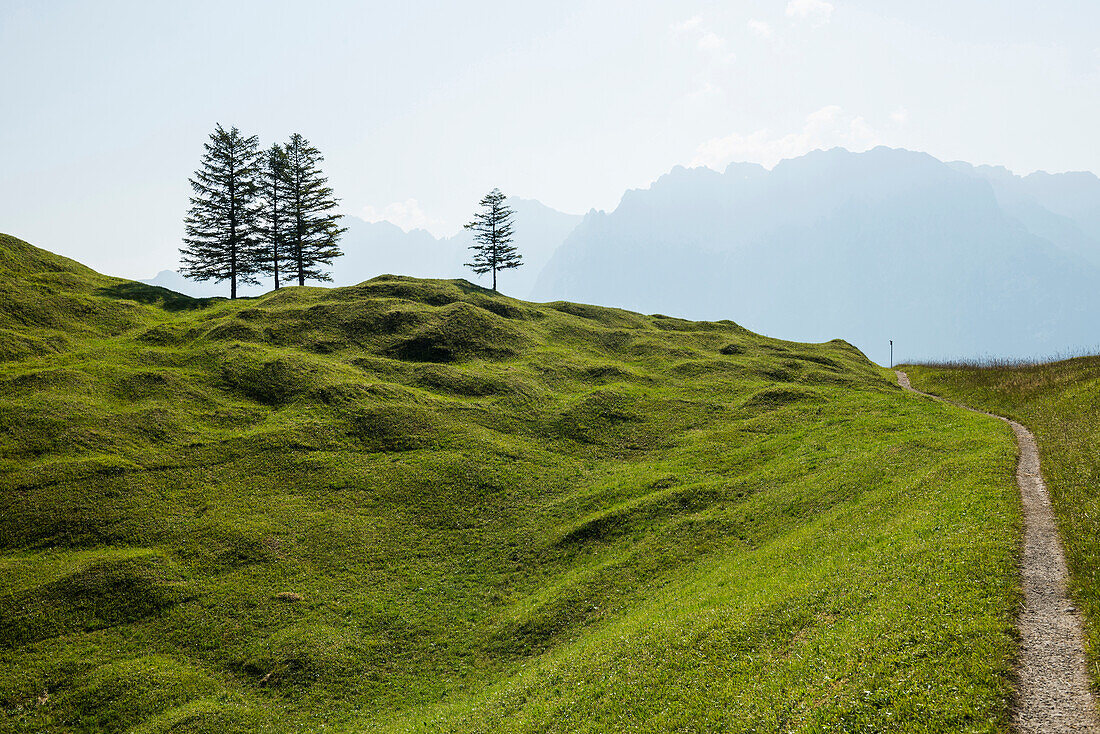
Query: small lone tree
point(273, 220)
point(492, 228)
point(313, 230)
point(221, 237)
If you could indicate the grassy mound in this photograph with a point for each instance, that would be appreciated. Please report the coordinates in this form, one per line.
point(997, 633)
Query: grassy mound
point(52, 593)
point(1060, 403)
point(419, 505)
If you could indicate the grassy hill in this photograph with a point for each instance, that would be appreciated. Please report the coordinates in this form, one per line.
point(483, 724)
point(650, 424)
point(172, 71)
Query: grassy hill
point(1060, 403)
point(419, 506)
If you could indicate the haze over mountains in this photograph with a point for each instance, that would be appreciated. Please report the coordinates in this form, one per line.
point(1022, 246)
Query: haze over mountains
point(868, 247)
point(946, 259)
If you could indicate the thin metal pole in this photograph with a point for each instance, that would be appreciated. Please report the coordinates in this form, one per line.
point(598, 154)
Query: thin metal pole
point(891, 354)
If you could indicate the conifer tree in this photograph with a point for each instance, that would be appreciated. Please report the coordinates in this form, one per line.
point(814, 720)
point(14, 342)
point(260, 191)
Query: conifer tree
point(273, 220)
point(221, 237)
point(492, 228)
point(314, 228)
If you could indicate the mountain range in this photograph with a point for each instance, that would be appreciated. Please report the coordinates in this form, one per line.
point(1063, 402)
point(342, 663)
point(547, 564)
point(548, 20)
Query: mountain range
point(946, 259)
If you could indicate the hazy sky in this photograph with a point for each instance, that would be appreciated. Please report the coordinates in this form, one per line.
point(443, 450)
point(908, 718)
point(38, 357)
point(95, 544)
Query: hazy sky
point(421, 107)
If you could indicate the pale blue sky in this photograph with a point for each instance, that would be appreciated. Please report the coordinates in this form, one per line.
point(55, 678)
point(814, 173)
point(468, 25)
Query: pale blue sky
point(420, 107)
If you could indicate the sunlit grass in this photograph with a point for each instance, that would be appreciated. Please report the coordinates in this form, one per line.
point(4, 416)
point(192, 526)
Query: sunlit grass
point(1060, 403)
point(420, 506)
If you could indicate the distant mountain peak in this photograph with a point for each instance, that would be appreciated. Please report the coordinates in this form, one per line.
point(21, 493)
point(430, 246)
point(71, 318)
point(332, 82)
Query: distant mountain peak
point(869, 246)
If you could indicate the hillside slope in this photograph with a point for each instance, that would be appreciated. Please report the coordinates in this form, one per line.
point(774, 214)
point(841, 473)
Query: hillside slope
point(414, 505)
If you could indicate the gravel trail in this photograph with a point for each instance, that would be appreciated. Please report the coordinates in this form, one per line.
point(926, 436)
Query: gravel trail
point(1052, 687)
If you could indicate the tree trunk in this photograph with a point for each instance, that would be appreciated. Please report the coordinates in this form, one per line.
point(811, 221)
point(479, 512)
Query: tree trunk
point(232, 231)
point(301, 245)
point(275, 227)
point(232, 262)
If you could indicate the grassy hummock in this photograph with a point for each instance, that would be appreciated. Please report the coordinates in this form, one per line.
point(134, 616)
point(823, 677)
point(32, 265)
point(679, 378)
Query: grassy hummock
point(1060, 403)
point(420, 506)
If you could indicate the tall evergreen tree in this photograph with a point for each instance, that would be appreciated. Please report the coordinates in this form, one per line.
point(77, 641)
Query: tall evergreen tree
point(273, 220)
point(492, 228)
point(221, 237)
point(314, 226)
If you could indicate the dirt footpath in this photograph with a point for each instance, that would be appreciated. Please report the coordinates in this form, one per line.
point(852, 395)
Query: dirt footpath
point(1052, 690)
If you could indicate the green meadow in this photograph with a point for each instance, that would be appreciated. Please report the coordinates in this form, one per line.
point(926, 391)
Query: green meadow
point(1060, 403)
point(420, 506)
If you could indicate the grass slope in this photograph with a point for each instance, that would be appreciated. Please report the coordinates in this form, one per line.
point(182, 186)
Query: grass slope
point(1060, 403)
point(419, 506)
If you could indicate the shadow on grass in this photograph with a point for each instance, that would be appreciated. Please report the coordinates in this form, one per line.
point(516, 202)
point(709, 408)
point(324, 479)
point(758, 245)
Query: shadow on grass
point(467, 287)
point(156, 296)
point(462, 284)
